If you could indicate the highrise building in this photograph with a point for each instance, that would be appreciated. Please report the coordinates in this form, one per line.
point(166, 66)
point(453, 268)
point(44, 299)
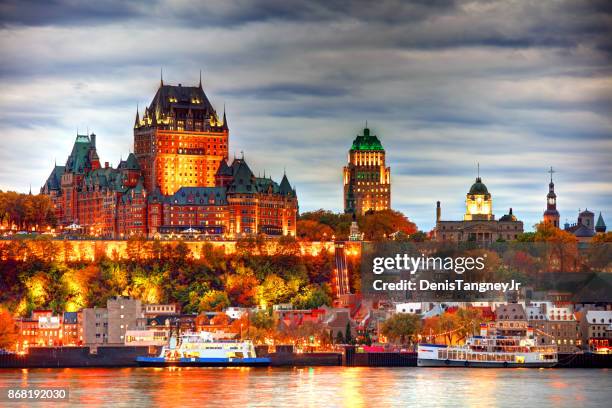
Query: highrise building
point(180, 141)
point(367, 180)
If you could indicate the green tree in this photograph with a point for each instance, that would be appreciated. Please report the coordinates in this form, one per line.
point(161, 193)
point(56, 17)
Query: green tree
point(311, 297)
point(214, 300)
point(402, 327)
point(348, 337)
point(261, 319)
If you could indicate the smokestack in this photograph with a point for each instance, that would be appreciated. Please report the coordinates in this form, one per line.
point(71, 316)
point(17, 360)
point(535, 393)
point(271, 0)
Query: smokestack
point(438, 211)
point(510, 210)
point(92, 137)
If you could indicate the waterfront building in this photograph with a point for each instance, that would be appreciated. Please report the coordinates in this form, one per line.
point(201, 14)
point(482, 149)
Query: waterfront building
point(510, 319)
point(479, 223)
point(153, 310)
point(177, 183)
point(156, 337)
point(43, 328)
point(596, 329)
point(551, 215)
point(555, 324)
point(367, 179)
point(108, 325)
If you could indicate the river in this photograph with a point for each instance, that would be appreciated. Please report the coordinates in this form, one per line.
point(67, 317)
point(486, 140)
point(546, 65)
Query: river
point(320, 386)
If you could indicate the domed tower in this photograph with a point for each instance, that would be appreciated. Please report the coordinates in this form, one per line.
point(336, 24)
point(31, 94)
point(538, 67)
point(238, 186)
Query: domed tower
point(551, 215)
point(478, 202)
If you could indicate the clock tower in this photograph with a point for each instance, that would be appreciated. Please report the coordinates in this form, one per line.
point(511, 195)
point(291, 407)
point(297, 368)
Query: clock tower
point(551, 214)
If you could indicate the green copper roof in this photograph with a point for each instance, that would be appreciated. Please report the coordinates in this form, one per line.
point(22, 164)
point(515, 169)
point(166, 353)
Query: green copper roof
point(478, 187)
point(367, 142)
point(600, 222)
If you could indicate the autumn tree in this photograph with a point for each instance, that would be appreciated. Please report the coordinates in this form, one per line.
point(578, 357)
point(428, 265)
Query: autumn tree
point(8, 329)
point(311, 230)
point(402, 327)
point(561, 247)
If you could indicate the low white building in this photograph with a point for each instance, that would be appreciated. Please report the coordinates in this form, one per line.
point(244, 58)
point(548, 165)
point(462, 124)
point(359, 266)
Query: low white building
point(152, 337)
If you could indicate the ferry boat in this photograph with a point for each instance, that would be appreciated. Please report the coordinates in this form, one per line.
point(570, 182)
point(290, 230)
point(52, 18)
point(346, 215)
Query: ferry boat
point(200, 349)
point(490, 350)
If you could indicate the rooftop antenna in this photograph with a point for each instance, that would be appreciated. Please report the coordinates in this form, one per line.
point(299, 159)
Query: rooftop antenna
point(366, 123)
point(551, 171)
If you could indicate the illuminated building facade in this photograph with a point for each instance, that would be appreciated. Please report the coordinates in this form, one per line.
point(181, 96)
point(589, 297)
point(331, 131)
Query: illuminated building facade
point(178, 180)
point(367, 180)
point(479, 223)
point(180, 141)
point(43, 328)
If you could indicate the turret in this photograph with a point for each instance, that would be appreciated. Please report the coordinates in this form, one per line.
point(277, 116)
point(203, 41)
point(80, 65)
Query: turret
point(600, 227)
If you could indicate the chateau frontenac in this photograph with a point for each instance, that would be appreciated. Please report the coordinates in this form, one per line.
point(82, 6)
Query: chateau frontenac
point(178, 180)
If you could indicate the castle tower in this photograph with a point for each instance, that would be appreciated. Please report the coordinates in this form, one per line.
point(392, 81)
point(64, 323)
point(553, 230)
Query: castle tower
point(180, 140)
point(367, 181)
point(551, 215)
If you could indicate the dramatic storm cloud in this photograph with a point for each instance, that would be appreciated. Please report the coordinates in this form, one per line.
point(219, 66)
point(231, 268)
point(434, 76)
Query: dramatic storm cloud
point(515, 86)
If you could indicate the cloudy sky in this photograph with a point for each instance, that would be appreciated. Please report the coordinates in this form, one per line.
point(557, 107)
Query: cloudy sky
point(517, 86)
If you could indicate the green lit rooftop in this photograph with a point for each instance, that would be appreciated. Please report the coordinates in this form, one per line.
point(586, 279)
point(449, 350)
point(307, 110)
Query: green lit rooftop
point(367, 142)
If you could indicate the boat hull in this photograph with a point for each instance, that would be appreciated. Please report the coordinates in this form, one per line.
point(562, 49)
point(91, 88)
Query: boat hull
point(203, 362)
point(423, 362)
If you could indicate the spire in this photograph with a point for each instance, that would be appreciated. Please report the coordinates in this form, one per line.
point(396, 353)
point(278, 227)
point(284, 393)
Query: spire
point(551, 171)
point(601, 225)
point(161, 77)
point(200, 85)
point(225, 127)
point(285, 187)
point(31, 194)
point(137, 121)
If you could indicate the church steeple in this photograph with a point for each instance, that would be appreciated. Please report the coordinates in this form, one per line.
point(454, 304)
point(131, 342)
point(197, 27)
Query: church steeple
point(551, 214)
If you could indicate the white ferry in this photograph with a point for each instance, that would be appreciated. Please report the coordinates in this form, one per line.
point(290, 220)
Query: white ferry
point(489, 350)
point(200, 349)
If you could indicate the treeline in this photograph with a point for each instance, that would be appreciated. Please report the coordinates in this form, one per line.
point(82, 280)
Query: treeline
point(164, 272)
point(322, 225)
point(26, 211)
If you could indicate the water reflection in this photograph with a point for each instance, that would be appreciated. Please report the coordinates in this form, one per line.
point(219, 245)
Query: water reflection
point(320, 386)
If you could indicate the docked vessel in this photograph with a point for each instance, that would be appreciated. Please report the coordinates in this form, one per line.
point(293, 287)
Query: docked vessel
point(200, 349)
point(490, 350)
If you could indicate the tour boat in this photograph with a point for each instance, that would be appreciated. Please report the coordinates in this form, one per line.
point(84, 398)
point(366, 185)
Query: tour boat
point(490, 350)
point(200, 349)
